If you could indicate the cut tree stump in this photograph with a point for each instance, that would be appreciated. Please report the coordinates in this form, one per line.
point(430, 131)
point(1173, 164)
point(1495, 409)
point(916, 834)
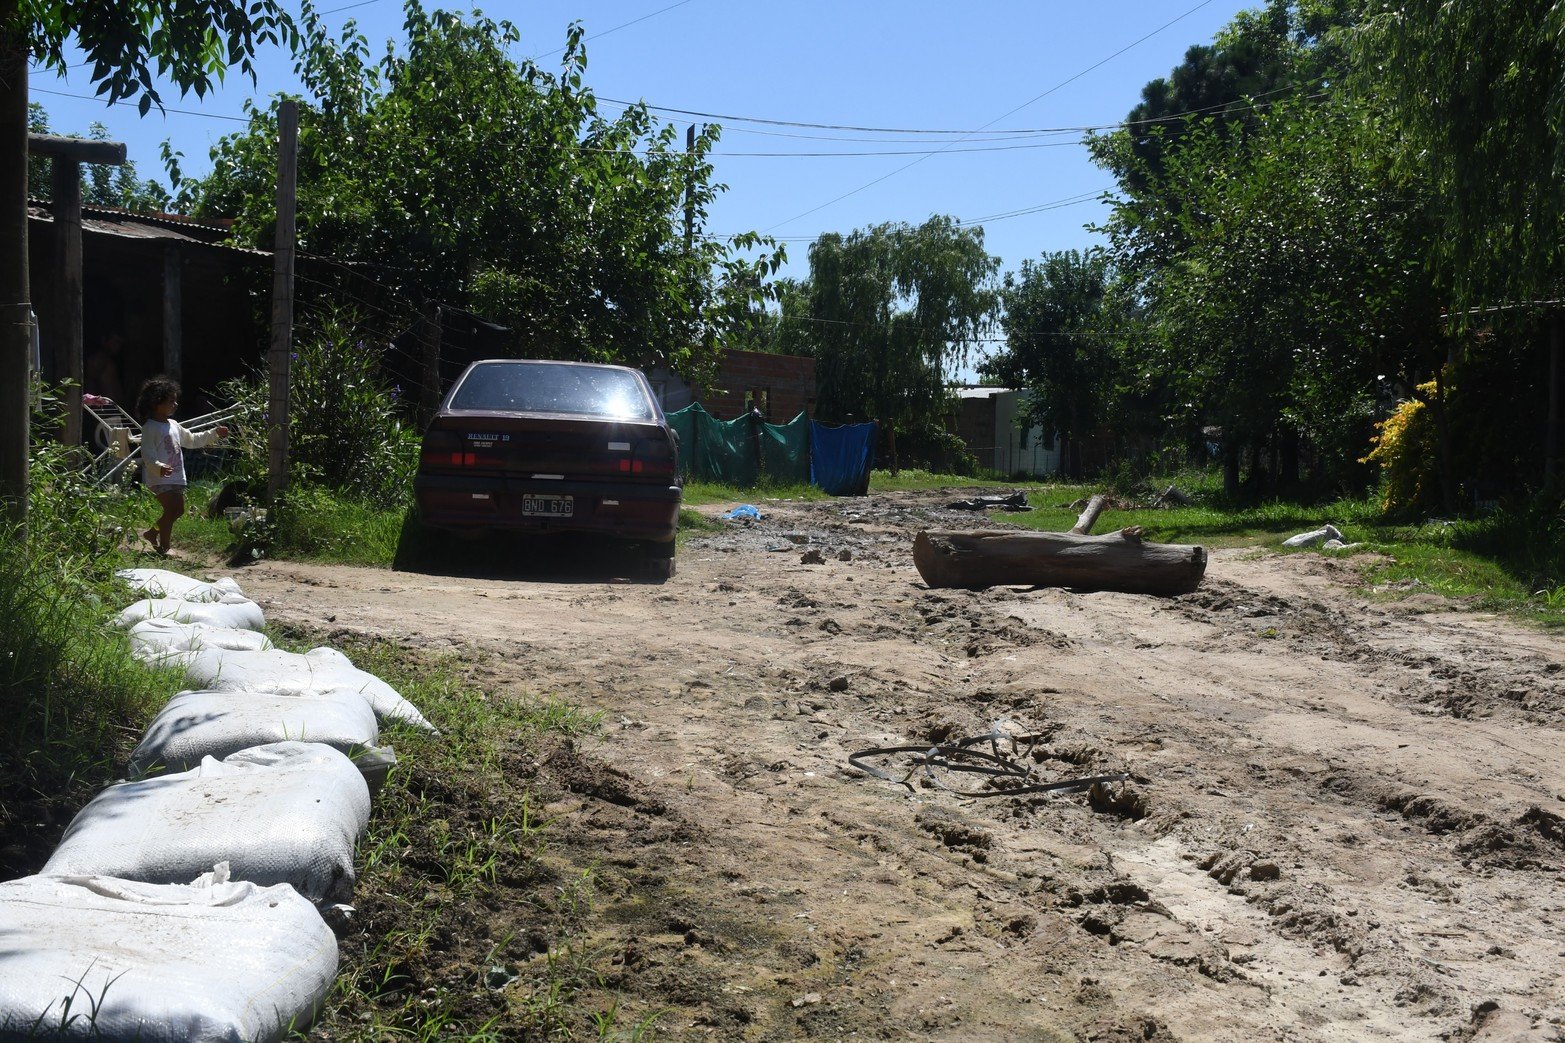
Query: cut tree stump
point(1117, 561)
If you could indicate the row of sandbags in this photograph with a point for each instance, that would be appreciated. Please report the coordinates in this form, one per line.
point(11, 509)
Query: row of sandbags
point(185, 903)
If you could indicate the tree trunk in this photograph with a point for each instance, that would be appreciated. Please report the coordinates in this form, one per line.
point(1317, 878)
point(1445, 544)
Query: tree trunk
point(15, 318)
point(1551, 432)
point(1443, 438)
point(1288, 471)
point(1230, 467)
point(432, 327)
point(1117, 561)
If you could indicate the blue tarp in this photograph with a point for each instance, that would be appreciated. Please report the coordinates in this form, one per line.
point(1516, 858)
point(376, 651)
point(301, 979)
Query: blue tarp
point(743, 451)
point(842, 457)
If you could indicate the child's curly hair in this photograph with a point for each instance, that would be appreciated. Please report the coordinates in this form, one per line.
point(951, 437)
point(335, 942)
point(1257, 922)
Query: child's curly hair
point(154, 390)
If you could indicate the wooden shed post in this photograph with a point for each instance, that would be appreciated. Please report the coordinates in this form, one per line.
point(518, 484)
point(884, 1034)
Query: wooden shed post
point(429, 379)
point(67, 333)
point(173, 311)
point(68, 155)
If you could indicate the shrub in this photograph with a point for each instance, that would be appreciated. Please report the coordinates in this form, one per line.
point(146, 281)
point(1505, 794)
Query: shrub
point(346, 429)
point(1405, 447)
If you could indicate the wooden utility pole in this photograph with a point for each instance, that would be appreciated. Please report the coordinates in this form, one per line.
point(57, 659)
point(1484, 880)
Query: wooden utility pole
point(282, 303)
point(15, 318)
point(690, 189)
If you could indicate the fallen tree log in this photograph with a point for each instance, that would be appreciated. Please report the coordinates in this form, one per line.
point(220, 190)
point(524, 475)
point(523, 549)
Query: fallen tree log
point(1089, 517)
point(1116, 561)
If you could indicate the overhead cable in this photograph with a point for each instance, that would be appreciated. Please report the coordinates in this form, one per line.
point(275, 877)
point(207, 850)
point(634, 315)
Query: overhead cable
point(997, 119)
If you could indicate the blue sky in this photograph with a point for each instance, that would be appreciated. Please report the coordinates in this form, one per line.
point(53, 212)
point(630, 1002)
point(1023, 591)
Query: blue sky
point(916, 65)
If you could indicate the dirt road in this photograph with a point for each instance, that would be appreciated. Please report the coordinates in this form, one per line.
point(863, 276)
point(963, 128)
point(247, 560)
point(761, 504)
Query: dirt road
point(1345, 821)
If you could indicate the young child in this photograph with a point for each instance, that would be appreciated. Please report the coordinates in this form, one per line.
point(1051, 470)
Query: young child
point(163, 445)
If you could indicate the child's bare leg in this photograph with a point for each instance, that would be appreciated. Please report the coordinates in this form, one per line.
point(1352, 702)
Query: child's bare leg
point(173, 501)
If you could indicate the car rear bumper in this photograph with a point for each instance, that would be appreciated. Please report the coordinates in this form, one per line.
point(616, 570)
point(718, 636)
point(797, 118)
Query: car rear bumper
point(474, 503)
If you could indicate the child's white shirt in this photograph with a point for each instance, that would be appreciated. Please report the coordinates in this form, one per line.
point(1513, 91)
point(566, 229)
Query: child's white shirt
point(165, 442)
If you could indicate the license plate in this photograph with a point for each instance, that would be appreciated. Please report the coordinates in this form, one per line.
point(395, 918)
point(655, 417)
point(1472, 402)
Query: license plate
point(549, 506)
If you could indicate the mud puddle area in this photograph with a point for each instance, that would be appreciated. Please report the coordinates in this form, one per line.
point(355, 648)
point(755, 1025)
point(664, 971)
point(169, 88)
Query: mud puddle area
point(1345, 819)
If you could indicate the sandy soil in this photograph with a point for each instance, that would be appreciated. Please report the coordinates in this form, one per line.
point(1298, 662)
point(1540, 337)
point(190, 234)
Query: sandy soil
point(1345, 820)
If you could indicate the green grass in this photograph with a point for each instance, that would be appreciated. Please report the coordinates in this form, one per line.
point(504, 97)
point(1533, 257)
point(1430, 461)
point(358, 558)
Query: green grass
point(1500, 563)
point(704, 494)
point(316, 526)
point(914, 480)
point(74, 698)
point(468, 927)
point(1265, 524)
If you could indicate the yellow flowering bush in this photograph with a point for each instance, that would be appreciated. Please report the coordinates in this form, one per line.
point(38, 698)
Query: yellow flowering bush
point(1405, 448)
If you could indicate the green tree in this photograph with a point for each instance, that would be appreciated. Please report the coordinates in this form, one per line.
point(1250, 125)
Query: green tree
point(1057, 345)
point(191, 42)
point(890, 313)
point(497, 186)
point(120, 186)
point(1298, 280)
point(1474, 89)
point(1285, 50)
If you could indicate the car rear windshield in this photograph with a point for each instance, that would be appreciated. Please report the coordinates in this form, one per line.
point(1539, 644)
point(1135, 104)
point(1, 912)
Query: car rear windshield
point(553, 387)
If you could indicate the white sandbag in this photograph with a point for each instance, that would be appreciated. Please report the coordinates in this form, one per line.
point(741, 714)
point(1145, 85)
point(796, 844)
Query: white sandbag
point(1305, 539)
point(152, 638)
point(234, 611)
point(114, 961)
point(284, 813)
point(315, 671)
point(202, 724)
point(161, 583)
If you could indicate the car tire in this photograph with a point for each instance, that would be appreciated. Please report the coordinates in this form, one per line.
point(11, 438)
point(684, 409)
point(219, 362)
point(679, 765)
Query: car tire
point(657, 560)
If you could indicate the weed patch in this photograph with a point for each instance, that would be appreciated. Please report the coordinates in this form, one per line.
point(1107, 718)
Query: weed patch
point(469, 927)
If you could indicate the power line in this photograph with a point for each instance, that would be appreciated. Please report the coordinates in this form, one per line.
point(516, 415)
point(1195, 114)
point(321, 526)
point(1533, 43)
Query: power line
point(1056, 204)
point(132, 104)
point(1088, 128)
point(647, 153)
point(997, 119)
point(617, 28)
point(1006, 215)
point(348, 7)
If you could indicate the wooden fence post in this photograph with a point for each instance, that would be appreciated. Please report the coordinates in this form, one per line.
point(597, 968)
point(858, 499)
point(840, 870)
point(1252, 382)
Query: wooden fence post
point(282, 303)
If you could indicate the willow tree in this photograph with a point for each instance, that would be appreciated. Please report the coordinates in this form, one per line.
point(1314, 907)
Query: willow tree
point(1478, 91)
point(890, 313)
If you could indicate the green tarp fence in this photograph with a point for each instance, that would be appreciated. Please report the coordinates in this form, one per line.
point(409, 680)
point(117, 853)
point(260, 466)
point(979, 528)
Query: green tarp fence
point(741, 452)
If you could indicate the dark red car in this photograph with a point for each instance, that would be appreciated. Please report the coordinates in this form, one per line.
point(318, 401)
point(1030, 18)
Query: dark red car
point(527, 446)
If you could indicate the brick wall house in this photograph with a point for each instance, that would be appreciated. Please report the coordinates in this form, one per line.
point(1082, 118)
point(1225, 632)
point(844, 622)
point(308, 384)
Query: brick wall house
point(780, 386)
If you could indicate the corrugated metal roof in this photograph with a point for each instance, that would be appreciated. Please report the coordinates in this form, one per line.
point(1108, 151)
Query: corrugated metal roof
point(123, 224)
point(982, 392)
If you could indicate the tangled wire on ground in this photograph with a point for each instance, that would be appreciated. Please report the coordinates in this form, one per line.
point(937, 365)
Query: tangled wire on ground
point(1002, 773)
